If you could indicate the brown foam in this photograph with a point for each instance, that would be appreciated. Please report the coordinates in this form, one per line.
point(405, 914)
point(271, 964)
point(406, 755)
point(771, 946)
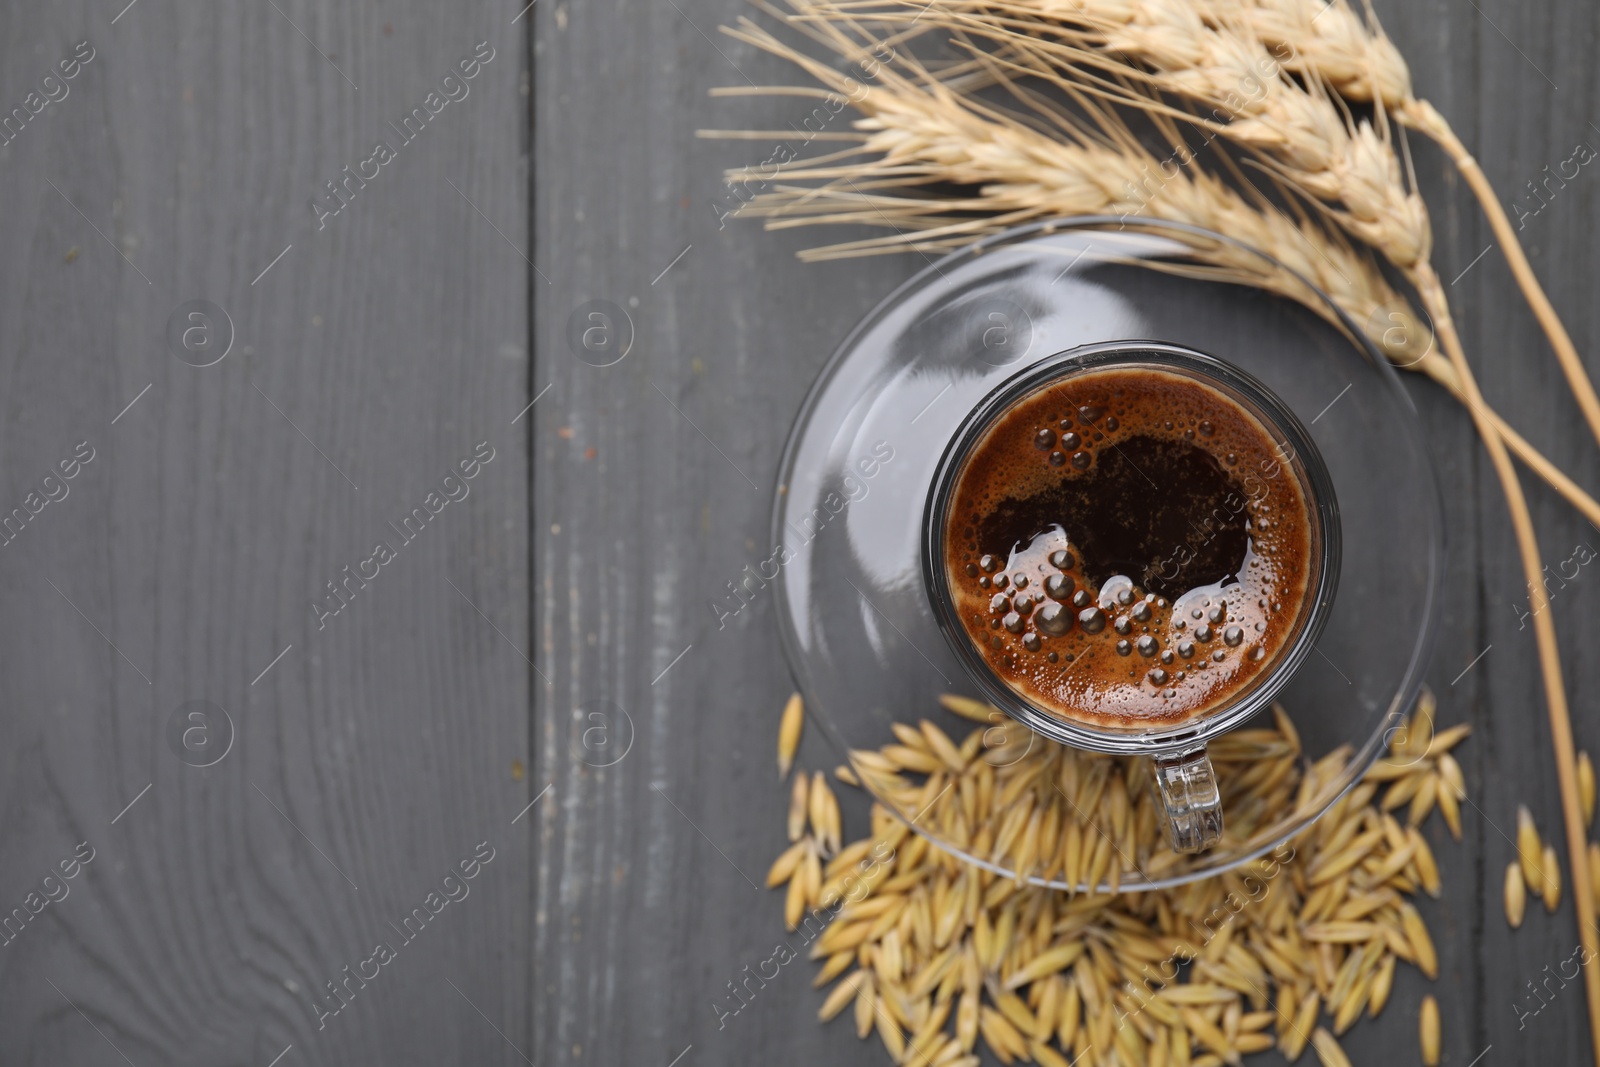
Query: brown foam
point(1228, 501)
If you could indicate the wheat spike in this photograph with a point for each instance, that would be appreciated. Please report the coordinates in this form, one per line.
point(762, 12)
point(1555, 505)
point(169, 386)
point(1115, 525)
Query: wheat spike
point(916, 130)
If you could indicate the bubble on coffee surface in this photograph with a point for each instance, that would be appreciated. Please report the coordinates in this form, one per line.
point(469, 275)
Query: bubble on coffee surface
point(1053, 620)
point(1155, 544)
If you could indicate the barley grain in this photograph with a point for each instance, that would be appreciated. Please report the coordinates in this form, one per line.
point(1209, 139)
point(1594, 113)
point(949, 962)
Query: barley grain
point(848, 857)
point(1417, 934)
point(1388, 770)
point(824, 812)
point(837, 964)
point(809, 871)
point(1445, 740)
point(1382, 984)
point(1250, 1044)
point(1450, 807)
point(789, 733)
point(1404, 789)
point(1340, 932)
point(1003, 1039)
point(1209, 1035)
point(941, 745)
point(1550, 872)
point(1428, 1031)
point(798, 798)
point(1045, 1056)
point(866, 1002)
point(794, 904)
point(1048, 963)
point(1016, 1012)
point(1345, 857)
point(927, 1040)
point(1422, 802)
point(1328, 1050)
point(784, 866)
point(967, 708)
point(1300, 1033)
point(1530, 850)
point(889, 1032)
point(1420, 736)
point(1355, 1001)
point(906, 758)
point(841, 994)
point(1427, 866)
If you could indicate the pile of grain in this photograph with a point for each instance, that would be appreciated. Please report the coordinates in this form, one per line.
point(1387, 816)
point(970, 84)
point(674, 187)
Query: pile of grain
point(934, 952)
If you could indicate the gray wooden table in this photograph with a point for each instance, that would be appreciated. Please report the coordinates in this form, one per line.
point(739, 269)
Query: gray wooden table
point(282, 679)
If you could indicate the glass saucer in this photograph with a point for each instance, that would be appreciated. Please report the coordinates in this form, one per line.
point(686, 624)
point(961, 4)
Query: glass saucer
point(857, 622)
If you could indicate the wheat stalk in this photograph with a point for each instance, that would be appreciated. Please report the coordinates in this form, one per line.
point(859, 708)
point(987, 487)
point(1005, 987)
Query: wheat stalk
point(1214, 47)
point(1357, 56)
point(1188, 50)
point(917, 130)
point(1350, 167)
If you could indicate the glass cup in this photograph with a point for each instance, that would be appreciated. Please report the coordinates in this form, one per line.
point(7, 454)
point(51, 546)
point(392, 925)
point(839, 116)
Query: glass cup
point(1188, 796)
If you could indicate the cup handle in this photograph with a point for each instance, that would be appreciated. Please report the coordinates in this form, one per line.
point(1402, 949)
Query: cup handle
point(1188, 800)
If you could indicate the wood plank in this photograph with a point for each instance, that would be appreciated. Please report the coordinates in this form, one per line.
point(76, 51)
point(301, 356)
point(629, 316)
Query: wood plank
point(382, 747)
point(643, 916)
point(1486, 71)
point(655, 479)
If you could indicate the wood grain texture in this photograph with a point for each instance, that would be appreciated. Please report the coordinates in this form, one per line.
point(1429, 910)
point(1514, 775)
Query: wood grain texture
point(1487, 71)
point(641, 915)
point(1516, 85)
point(380, 749)
point(655, 477)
